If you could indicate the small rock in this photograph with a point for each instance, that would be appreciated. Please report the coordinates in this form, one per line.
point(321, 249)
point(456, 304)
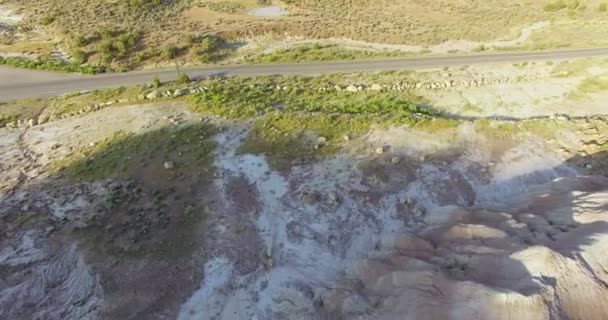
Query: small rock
point(395, 160)
point(333, 196)
point(308, 198)
point(419, 211)
point(351, 88)
point(31, 122)
point(42, 119)
point(379, 150)
point(346, 137)
point(91, 144)
point(376, 87)
point(180, 92)
point(589, 166)
point(169, 165)
point(153, 95)
point(321, 141)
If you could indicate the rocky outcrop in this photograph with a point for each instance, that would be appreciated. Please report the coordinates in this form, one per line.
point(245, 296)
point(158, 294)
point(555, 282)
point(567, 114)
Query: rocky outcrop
point(540, 259)
point(50, 284)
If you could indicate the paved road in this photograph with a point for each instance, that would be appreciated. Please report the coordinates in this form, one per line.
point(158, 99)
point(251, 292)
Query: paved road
point(38, 85)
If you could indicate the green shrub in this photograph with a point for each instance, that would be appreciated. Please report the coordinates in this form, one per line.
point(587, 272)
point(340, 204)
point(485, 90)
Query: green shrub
point(79, 57)
point(556, 5)
point(46, 20)
point(224, 6)
point(143, 3)
point(170, 52)
point(80, 41)
point(183, 78)
point(156, 82)
point(603, 7)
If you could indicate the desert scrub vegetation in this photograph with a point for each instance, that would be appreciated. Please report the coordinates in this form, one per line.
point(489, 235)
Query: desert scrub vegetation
point(240, 98)
point(122, 155)
point(589, 86)
point(578, 67)
point(317, 52)
point(295, 122)
point(408, 21)
point(223, 6)
point(50, 65)
point(289, 138)
point(153, 197)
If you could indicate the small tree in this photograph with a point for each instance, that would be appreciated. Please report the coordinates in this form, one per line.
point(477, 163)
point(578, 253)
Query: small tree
point(156, 82)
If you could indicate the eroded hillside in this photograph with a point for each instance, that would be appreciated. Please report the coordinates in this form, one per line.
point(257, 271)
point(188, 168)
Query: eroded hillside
point(374, 196)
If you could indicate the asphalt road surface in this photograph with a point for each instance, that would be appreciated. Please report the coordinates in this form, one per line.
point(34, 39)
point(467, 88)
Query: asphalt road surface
point(21, 84)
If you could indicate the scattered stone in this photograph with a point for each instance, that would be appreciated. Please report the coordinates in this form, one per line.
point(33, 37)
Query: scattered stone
point(351, 88)
point(180, 92)
point(333, 196)
point(42, 119)
point(379, 150)
point(376, 87)
point(153, 95)
point(395, 160)
point(31, 122)
point(308, 198)
point(419, 211)
point(321, 141)
point(169, 165)
point(338, 88)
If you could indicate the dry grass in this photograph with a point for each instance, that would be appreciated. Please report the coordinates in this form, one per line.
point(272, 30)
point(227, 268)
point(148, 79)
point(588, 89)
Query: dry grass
point(382, 21)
